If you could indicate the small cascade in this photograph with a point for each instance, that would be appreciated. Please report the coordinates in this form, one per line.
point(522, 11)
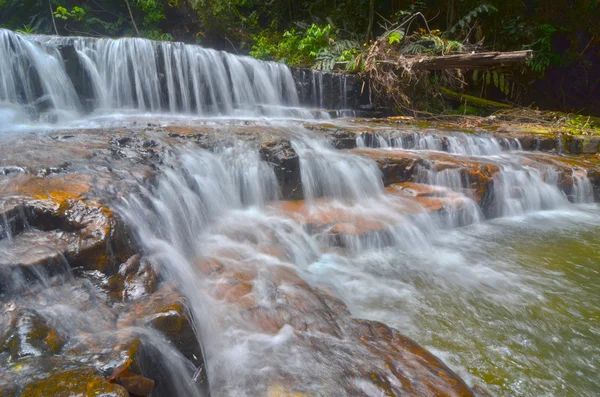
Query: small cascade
point(583, 191)
point(473, 145)
point(519, 190)
point(465, 211)
point(205, 209)
point(330, 173)
point(463, 144)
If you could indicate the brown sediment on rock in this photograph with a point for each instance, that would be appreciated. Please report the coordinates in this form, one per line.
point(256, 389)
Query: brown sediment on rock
point(85, 383)
point(403, 166)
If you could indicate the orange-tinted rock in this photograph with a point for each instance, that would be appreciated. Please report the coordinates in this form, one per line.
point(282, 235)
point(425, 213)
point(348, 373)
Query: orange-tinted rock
point(166, 310)
point(418, 371)
point(136, 385)
point(29, 335)
point(403, 166)
point(134, 279)
point(84, 383)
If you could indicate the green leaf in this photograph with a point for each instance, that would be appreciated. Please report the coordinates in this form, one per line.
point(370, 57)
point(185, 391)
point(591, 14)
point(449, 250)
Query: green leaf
point(395, 37)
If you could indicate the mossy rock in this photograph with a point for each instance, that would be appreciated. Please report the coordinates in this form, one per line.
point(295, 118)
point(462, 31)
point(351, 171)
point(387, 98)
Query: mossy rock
point(83, 383)
point(29, 335)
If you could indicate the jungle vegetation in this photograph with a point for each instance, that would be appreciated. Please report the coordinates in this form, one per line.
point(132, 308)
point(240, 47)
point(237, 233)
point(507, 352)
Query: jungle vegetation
point(564, 35)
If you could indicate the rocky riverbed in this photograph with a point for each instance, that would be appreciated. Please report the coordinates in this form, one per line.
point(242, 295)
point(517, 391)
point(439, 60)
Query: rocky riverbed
point(88, 309)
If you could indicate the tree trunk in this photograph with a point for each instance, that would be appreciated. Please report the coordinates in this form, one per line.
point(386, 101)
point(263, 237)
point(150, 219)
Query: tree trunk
point(468, 61)
point(52, 16)
point(371, 19)
point(132, 20)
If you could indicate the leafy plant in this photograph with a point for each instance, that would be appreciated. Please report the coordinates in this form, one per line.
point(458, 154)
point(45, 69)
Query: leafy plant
point(499, 80)
point(294, 47)
point(465, 21)
point(76, 13)
point(347, 51)
point(431, 44)
point(158, 35)
point(395, 37)
point(580, 124)
point(153, 11)
point(543, 54)
point(26, 29)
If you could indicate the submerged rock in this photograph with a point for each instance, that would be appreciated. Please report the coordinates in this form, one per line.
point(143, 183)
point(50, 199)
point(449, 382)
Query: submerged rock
point(166, 311)
point(28, 334)
point(84, 383)
point(286, 164)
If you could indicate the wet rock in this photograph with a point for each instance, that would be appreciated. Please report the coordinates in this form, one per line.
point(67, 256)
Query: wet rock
point(591, 145)
point(286, 164)
point(84, 383)
point(415, 371)
point(32, 256)
point(340, 138)
point(134, 279)
point(51, 227)
point(136, 385)
point(166, 310)
point(404, 166)
point(29, 335)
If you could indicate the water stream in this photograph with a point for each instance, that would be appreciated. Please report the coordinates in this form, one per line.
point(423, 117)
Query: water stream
point(501, 285)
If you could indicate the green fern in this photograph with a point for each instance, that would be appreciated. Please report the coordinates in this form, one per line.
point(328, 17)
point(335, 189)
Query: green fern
point(500, 80)
point(340, 51)
point(425, 44)
point(465, 21)
point(453, 46)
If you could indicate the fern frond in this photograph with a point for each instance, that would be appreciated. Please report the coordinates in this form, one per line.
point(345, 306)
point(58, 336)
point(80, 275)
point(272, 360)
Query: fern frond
point(464, 22)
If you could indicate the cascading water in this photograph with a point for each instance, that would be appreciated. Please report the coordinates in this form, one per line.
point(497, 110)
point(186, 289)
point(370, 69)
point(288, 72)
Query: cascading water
point(138, 75)
point(458, 143)
point(260, 272)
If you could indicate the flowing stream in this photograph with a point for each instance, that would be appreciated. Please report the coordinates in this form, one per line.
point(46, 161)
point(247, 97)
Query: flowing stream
point(503, 288)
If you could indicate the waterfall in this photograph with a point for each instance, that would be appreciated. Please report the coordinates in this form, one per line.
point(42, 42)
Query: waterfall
point(34, 79)
point(51, 77)
point(459, 143)
point(583, 191)
point(518, 190)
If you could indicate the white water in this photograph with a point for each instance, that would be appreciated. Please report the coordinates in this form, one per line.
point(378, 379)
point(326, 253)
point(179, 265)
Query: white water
point(136, 76)
point(205, 208)
point(413, 270)
point(457, 143)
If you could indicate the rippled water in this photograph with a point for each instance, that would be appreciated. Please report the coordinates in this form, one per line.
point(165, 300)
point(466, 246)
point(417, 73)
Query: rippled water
point(512, 303)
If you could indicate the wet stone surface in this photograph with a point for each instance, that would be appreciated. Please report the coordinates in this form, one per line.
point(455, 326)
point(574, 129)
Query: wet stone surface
point(80, 301)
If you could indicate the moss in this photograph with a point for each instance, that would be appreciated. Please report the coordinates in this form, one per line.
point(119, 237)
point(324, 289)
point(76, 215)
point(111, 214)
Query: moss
point(83, 383)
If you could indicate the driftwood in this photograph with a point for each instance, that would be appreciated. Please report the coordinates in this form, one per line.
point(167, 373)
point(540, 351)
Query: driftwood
point(469, 61)
point(462, 61)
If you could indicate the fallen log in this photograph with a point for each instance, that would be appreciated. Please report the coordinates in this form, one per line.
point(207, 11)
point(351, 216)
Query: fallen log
point(473, 100)
point(468, 61)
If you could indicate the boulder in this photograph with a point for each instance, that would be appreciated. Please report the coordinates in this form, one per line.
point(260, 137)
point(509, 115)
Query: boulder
point(286, 165)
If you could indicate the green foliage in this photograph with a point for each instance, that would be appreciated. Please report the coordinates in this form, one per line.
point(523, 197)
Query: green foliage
point(579, 124)
point(76, 13)
point(543, 54)
point(395, 37)
point(293, 47)
point(347, 51)
point(153, 11)
point(26, 29)
point(431, 44)
point(158, 35)
point(466, 21)
point(499, 80)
